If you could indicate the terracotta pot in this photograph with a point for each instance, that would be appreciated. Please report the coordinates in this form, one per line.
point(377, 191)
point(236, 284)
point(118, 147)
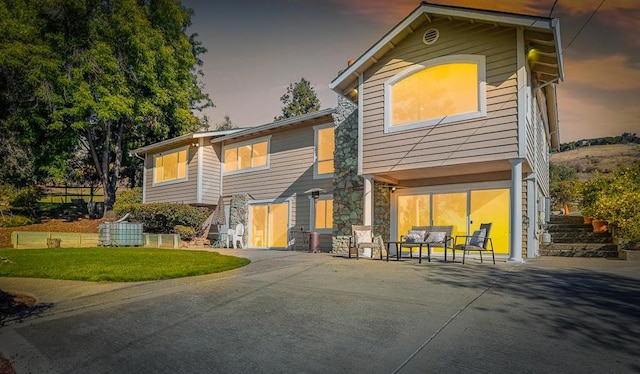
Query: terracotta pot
point(599, 225)
point(587, 220)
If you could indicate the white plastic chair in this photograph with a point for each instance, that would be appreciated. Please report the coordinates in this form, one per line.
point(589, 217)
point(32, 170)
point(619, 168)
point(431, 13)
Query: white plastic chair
point(229, 236)
point(237, 235)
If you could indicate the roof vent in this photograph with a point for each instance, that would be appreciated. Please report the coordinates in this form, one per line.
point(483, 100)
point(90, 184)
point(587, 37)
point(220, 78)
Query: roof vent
point(431, 36)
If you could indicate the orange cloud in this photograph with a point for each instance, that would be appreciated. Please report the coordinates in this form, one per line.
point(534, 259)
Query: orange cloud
point(393, 11)
point(607, 72)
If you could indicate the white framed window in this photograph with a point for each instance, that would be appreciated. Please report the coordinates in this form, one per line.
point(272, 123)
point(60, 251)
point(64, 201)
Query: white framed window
point(325, 144)
point(441, 90)
point(246, 156)
point(322, 214)
point(170, 166)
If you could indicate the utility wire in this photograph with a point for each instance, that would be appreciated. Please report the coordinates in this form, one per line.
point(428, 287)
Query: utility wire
point(552, 8)
point(584, 25)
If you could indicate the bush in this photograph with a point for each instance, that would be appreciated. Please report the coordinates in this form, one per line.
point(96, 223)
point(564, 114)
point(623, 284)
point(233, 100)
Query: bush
point(126, 199)
point(562, 182)
point(24, 198)
point(15, 221)
point(615, 199)
point(164, 217)
point(132, 196)
point(185, 232)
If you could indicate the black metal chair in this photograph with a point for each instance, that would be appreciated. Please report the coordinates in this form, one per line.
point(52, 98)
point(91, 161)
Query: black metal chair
point(475, 243)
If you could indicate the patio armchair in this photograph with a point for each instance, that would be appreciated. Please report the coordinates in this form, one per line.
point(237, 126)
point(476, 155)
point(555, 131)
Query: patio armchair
point(363, 237)
point(478, 242)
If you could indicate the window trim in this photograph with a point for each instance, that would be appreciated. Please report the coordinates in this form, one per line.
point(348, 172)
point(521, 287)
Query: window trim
point(263, 139)
point(312, 218)
point(173, 181)
point(316, 129)
point(479, 60)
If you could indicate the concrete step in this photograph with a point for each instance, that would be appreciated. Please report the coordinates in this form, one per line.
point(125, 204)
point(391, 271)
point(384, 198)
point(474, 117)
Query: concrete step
point(568, 227)
point(567, 219)
point(579, 250)
point(580, 237)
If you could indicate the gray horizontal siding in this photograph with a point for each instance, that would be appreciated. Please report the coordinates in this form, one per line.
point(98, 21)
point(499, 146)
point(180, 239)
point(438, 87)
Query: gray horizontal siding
point(290, 173)
point(493, 137)
point(211, 173)
point(181, 192)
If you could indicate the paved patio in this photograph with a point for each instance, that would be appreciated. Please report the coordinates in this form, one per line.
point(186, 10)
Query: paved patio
point(315, 313)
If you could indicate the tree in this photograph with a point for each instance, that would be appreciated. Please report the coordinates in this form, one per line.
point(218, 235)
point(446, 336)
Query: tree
point(562, 184)
point(107, 75)
point(226, 124)
point(299, 99)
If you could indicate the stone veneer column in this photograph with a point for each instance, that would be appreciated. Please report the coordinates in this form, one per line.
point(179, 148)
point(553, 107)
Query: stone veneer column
point(239, 213)
point(348, 196)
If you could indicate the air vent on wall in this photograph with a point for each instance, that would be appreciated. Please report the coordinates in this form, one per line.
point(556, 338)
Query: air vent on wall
point(431, 36)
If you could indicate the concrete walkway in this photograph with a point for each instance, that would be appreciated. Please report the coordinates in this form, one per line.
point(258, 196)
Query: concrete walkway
point(297, 312)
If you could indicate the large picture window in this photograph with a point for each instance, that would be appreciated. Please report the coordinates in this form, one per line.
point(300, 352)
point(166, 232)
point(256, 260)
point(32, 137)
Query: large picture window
point(170, 166)
point(441, 90)
point(325, 145)
point(246, 156)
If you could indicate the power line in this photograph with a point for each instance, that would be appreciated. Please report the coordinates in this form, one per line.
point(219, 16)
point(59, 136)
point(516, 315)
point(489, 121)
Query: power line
point(552, 8)
point(584, 25)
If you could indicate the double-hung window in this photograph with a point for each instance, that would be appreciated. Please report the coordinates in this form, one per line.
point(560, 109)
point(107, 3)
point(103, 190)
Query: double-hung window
point(325, 145)
point(442, 90)
point(170, 166)
point(246, 156)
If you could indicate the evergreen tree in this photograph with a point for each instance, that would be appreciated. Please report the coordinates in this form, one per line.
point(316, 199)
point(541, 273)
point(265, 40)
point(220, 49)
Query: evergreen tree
point(299, 99)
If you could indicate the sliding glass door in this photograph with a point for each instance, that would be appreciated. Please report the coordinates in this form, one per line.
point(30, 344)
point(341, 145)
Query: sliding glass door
point(464, 210)
point(269, 225)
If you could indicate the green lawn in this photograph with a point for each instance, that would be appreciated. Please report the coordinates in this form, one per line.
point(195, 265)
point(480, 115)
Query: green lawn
point(113, 264)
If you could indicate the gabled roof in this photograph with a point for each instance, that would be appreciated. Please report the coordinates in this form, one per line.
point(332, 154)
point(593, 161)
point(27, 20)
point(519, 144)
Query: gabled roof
point(219, 136)
point(181, 139)
point(289, 122)
point(541, 33)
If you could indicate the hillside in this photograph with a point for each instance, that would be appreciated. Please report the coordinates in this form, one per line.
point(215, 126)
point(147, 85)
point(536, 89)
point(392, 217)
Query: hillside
point(604, 158)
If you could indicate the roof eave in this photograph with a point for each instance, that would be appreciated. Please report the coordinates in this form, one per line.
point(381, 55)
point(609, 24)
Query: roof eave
point(345, 79)
point(277, 124)
point(180, 139)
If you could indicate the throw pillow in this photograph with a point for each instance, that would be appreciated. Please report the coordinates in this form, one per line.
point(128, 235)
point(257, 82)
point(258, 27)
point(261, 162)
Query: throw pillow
point(477, 239)
point(435, 237)
point(363, 236)
point(415, 236)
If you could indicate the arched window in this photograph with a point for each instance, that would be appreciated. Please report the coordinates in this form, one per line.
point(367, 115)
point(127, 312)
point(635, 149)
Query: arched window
point(441, 90)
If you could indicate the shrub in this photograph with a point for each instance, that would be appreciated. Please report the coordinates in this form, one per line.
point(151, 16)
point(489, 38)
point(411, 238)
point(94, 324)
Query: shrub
point(24, 198)
point(185, 232)
point(15, 221)
point(126, 199)
point(562, 182)
point(164, 217)
point(615, 199)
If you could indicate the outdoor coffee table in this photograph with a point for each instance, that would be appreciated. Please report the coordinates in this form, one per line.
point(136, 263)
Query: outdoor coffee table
point(397, 244)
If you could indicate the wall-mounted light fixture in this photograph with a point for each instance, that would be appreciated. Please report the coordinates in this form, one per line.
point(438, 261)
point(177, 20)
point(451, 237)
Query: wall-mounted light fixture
point(393, 189)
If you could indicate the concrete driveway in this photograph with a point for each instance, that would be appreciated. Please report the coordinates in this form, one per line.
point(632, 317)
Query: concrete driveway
point(292, 312)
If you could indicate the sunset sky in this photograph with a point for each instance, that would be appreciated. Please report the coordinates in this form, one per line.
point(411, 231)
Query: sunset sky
point(257, 48)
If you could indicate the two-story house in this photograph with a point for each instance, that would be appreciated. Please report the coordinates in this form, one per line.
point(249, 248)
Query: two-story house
point(446, 120)
point(456, 112)
point(262, 173)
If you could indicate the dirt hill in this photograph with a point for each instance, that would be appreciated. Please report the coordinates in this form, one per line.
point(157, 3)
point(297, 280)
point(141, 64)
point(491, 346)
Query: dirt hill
point(604, 158)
